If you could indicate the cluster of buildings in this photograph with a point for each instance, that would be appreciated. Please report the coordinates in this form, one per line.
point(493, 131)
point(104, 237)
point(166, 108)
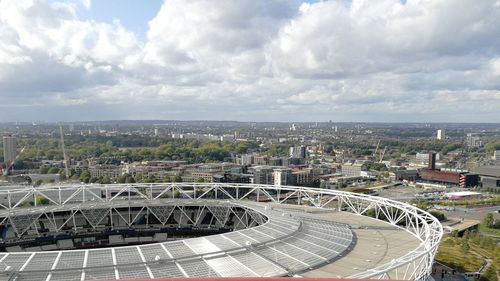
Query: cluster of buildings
point(304, 165)
point(224, 137)
point(487, 177)
point(212, 172)
point(247, 168)
point(472, 140)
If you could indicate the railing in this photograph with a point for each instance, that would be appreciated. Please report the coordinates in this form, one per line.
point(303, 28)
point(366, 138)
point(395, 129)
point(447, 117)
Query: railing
point(415, 265)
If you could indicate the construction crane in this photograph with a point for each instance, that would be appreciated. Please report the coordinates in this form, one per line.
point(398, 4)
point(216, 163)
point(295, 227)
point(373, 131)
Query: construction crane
point(376, 149)
point(381, 156)
point(11, 164)
point(66, 170)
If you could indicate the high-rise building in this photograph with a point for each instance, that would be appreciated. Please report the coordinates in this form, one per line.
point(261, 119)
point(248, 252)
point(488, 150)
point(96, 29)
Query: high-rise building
point(298, 152)
point(263, 175)
point(440, 134)
point(473, 141)
point(9, 149)
point(282, 176)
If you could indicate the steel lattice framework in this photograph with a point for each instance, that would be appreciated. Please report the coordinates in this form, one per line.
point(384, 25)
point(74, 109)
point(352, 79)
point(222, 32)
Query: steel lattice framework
point(20, 208)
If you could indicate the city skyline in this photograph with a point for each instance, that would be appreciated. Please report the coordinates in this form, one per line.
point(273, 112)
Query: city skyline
point(286, 61)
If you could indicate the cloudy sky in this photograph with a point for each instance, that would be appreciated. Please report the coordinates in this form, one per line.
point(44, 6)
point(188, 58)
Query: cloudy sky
point(250, 60)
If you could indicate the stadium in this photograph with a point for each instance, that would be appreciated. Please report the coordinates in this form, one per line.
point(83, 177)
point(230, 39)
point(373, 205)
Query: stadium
point(185, 230)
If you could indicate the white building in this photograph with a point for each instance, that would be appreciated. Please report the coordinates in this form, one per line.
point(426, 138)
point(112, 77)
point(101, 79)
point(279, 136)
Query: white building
point(496, 157)
point(369, 174)
point(440, 134)
point(281, 176)
point(351, 169)
point(473, 141)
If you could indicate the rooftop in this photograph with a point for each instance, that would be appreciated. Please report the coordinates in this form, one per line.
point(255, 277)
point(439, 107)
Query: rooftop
point(492, 171)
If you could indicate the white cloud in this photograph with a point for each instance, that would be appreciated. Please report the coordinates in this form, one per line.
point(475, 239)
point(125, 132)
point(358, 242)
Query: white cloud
point(87, 4)
point(275, 59)
point(45, 49)
point(495, 66)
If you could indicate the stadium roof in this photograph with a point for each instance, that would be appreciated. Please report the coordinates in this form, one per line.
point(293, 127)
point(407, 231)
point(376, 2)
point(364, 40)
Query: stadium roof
point(298, 232)
point(286, 244)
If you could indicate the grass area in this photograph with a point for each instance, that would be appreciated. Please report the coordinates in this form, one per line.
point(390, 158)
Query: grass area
point(487, 230)
point(467, 254)
point(464, 202)
point(451, 254)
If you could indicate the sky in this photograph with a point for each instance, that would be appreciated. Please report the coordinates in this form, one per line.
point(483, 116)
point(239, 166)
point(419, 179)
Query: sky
point(250, 60)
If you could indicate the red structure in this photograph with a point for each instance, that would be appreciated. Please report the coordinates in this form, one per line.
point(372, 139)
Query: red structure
point(431, 174)
point(458, 178)
point(440, 176)
point(432, 161)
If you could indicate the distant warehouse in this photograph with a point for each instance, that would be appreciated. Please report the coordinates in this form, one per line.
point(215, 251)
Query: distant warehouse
point(490, 176)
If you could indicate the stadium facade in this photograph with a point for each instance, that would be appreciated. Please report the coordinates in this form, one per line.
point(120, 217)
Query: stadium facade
point(145, 231)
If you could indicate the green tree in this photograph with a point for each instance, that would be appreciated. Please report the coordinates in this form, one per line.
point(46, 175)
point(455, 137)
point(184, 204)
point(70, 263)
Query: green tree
point(85, 176)
point(41, 200)
point(43, 169)
point(492, 146)
point(123, 178)
point(62, 174)
point(105, 180)
point(138, 177)
point(53, 170)
point(488, 220)
point(490, 274)
point(150, 179)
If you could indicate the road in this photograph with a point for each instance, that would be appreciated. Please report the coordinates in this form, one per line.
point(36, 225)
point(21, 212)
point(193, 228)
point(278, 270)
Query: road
point(472, 213)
